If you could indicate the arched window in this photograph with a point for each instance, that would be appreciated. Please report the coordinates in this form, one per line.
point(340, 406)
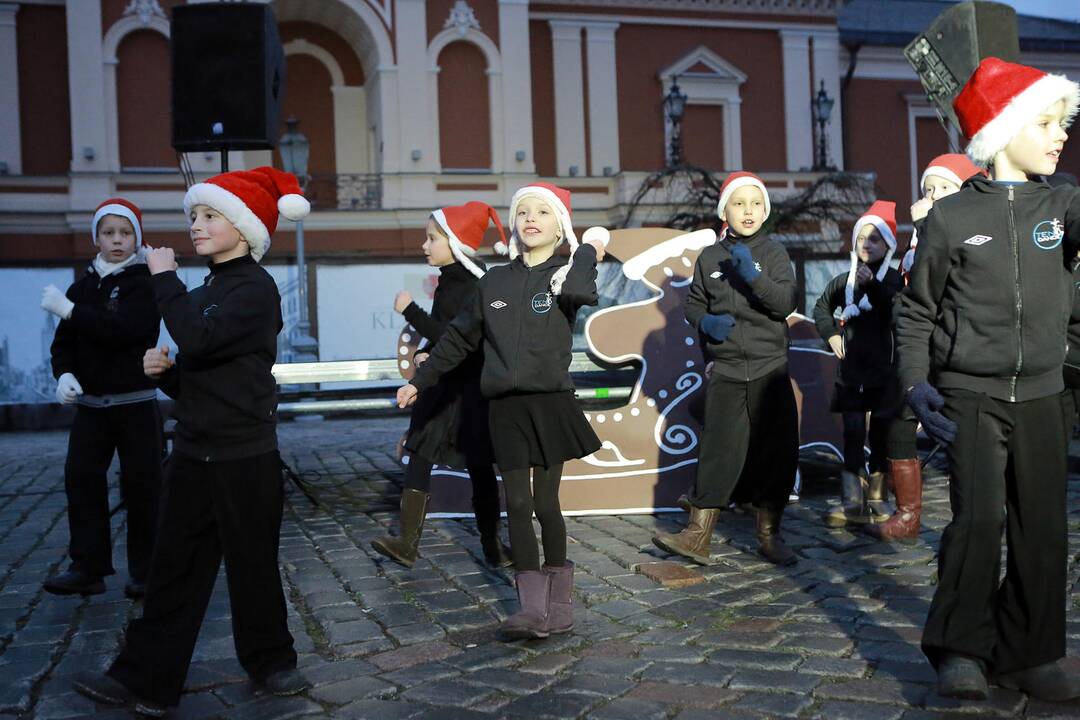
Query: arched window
point(464, 108)
point(143, 91)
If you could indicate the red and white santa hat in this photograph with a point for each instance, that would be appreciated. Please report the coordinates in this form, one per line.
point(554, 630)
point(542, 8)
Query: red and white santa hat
point(465, 226)
point(1000, 98)
point(882, 215)
point(123, 208)
point(559, 200)
point(737, 180)
point(954, 167)
point(251, 200)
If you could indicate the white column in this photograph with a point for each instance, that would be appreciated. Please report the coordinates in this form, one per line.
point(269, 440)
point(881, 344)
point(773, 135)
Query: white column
point(10, 139)
point(603, 98)
point(569, 97)
point(350, 128)
point(516, 86)
point(733, 133)
point(826, 49)
point(86, 83)
point(798, 122)
point(415, 117)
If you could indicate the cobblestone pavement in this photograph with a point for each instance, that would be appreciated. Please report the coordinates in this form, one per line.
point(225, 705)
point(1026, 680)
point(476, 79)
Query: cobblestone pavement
point(835, 636)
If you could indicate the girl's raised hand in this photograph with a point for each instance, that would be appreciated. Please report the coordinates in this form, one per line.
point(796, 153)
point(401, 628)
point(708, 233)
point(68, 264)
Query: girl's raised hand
point(406, 395)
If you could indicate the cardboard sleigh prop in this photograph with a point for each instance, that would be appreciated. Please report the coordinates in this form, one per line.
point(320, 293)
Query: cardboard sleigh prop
point(650, 444)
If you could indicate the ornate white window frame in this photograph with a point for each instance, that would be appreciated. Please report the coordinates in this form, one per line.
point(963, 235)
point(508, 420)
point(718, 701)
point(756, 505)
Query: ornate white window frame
point(494, 75)
point(719, 85)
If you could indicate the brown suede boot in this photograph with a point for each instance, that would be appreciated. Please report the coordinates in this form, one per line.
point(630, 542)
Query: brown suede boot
point(405, 548)
point(770, 545)
point(683, 503)
point(877, 498)
point(906, 477)
point(852, 509)
point(695, 541)
point(534, 594)
point(560, 617)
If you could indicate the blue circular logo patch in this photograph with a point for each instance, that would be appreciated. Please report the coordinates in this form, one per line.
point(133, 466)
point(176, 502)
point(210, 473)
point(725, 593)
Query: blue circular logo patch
point(1048, 234)
point(541, 302)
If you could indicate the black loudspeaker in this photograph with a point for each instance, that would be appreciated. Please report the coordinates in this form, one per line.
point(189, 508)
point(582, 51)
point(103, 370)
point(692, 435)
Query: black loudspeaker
point(228, 77)
point(947, 53)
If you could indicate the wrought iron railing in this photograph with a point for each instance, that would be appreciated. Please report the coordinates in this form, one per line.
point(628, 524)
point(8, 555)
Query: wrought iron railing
point(346, 191)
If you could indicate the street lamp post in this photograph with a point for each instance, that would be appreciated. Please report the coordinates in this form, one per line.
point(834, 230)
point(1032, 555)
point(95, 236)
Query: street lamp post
point(822, 109)
point(295, 148)
point(674, 107)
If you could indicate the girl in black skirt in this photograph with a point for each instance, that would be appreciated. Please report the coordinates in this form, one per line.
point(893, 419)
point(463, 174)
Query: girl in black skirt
point(866, 380)
point(523, 315)
point(449, 425)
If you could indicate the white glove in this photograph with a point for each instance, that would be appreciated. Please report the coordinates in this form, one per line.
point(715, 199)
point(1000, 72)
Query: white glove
point(67, 389)
point(54, 300)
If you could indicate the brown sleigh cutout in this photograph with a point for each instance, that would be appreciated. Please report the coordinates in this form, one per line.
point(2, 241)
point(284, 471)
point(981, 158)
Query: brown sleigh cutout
point(650, 444)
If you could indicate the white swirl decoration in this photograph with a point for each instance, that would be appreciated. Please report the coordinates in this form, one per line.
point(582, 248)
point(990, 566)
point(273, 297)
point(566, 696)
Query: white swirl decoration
point(683, 439)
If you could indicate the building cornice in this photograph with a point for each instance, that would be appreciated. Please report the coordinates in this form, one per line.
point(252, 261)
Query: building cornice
point(817, 8)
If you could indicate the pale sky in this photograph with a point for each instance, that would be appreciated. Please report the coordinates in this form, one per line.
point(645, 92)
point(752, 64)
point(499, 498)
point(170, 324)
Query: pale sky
point(1060, 9)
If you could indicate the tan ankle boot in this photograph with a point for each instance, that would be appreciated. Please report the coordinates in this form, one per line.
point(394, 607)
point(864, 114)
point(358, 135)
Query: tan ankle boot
point(852, 509)
point(770, 545)
point(877, 498)
point(695, 541)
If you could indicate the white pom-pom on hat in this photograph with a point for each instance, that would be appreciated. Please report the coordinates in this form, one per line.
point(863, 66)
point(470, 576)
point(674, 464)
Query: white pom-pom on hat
point(596, 232)
point(501, 248)
point(294, 207)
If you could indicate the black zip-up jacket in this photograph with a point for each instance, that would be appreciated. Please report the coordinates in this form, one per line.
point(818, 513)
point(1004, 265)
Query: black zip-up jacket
point(991, 291)
point(526, 332)
point(758, 344)
point(456, 285)
point(226, 331)
point(869, 346)
point(114, 321)
point(455, 290)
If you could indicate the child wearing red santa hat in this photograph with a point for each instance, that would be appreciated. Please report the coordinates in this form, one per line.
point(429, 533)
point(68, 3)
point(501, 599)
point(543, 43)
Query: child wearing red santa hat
point(523, 317)
point(941, 178)
point(866, 382)
point(108, 319)
point(223, 494)
point(449, 425)
point(742, 292)
point(982, 339)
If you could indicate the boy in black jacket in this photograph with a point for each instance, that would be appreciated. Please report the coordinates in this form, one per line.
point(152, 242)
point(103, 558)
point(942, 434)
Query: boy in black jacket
point(866, 380)
point(523, 316)
point(108, 319)
point(449, 424)
point(223, 493)
point(742, 292)
point(984, 321)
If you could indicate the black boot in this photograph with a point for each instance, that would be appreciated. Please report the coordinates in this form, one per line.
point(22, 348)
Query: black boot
point(106, 690)
point(486, 509)
point(961, 677)
point(405, 548)
point(1045, 682)
point(286, 682)
point(74, 582)
point(135, 589)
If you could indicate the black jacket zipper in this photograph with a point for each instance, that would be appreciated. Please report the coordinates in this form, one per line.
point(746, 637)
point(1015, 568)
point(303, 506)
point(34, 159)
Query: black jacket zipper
point(1019, 300)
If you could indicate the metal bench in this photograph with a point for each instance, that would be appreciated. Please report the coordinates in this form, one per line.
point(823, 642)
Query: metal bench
point(313, 399)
